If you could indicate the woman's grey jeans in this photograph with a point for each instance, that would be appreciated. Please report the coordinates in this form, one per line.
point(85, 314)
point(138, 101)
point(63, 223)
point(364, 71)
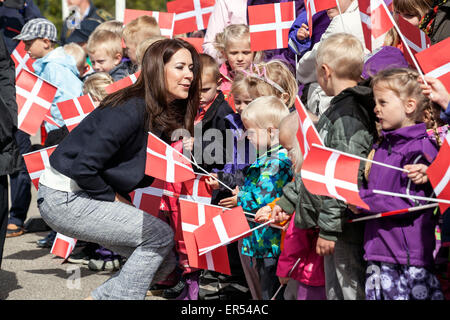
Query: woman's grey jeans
point(146, 241)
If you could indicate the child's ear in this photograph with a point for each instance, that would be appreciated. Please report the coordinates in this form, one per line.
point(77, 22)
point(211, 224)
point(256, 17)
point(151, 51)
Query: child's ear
point(285, 98)
point(117, 58)
point(327, 70)
point(410, 106)
point(47, 43)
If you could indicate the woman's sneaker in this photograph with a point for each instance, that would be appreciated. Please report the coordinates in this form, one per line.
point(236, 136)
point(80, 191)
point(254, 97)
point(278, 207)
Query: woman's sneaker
point(102, 265)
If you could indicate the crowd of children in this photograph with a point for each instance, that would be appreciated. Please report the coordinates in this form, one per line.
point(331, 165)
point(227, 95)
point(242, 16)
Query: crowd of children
point(370, 104)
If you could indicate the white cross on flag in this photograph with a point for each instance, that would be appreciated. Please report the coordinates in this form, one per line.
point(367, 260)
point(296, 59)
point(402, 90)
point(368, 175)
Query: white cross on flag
point(34, 98)
point(63, 246)
point(191, 15)
point(222, 229)
point(149, 199)
point(36, 163)
point(315, 6)
point(165, 163)
point(22, 59)
point(196, 190)
point(194, 215)
point(333, 175)
point(375, 22)
point(416, 39)
point(48, 117)
point(306, 133)
point(75, 110)
point(439, 174)
point(269, 25)
point(166, 20)
point(435, 63)
point(122, 83)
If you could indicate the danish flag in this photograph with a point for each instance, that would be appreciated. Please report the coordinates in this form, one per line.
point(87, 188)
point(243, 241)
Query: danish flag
point(191, 15)
point(315, 6)
point(435, 63)
point(375, 20)
point(197, 43)
point(415, 38)
point(34, 98)
point(197, 190)
point(166, 163)
point(149, 199)
point(75, 110)
point(306, 133)
point(166, 20)
point(36, 163)
point(63, 246)
point(194, 215)
point(331, 174)
point(439, 174)
point(122, 83)
point(22, 59)
point(269, 25)
point(48, 117)
point(222, 229)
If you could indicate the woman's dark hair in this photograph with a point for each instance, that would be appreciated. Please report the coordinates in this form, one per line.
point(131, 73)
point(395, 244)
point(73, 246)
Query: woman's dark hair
point(151, 85)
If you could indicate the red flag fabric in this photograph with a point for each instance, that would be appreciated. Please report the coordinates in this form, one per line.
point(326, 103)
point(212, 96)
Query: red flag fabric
point(148, 199)
point(191, 15)
point(415, 38)
point(439, 174)
point(222, 229)
point(166, 20)
point(36, 162)
point(48, 118)
point(22, 59)
point(34, 98)
point(314, 6)
point(122, 83)
point(166, 163)
point(306, 133)
point(375, 21)
point(269, 25)
point(196, 190)
point(196, 42)
point(63, 246)
point(75, 110)
point(435, 63)
point(333, 175)
point(194, 215)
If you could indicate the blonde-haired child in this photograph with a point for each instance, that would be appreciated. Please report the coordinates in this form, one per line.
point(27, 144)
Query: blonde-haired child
point(78, 53)
point(105, 52)
point(399, 250)
point(96, 85)
point(137, 31)
point(111, 25)
point(143, 46)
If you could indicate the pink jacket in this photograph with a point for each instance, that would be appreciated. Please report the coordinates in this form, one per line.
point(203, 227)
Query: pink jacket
point(301, 243)
point(225, 12)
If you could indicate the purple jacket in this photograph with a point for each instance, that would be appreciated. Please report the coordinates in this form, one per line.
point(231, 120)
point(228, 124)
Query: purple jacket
point(406, 239)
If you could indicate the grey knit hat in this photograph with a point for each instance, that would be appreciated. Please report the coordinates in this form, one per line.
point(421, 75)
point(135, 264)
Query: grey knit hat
point(38, 28)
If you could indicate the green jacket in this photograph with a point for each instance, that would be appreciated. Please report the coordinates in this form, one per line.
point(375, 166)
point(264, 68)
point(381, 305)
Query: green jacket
point(348, 125)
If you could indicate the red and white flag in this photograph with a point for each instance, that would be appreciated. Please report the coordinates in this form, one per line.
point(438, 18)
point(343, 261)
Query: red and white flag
point(197, 190)
point(375, 22)
point(194, 215)
point(75, 110)
point(223, 229)
point(166, 20)
point(435, 62)
point(63, 246)
point(149, 199)
point(22, 59)
point(415, 38)
point(196, 42)
point(439, 174)
point(315, 6)
point(306, 133)
point(269, 25)
point(36, 163)
point(122, 83)
point(191, 15)
point(48, 118)
point(333, 175)
point(165, 163)
point(34, 98)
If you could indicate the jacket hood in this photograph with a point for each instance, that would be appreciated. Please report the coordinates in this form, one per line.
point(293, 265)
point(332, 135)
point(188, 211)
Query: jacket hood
point(57, 56)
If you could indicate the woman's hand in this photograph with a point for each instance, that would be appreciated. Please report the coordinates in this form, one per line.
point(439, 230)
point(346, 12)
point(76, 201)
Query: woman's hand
point(122, 199)
point(263, 214)
point(435, 91)
point(213, 183)
point(303, 32)
point(324, 247)
point(417, 173)
point(188, 143)
point(230, 202)
point(283, 280)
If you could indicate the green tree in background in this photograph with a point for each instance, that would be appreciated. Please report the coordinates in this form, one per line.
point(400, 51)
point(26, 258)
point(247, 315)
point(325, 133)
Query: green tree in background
point(52, 9)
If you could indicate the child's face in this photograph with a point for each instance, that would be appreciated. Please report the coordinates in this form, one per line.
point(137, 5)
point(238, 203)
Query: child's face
point(131, 51)
point(241, 101)
point(179, 75)
point(259, 137)
point(102, 62)
point(238, 54)
point(209, 87)
point(390, 110)
point(37, 48)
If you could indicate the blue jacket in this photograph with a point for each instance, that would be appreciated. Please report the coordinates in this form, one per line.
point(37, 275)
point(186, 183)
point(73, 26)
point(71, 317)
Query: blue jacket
point(445, 115)
point(60, 70)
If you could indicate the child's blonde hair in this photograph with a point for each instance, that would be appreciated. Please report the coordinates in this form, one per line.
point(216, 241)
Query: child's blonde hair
point(115, 26)
point(344, 54)
point(105, 40)
point(96, 84)
point(208, 62)
point(141, 47)
point(77, 52)
point(288, 129)
point(141, 28)
point(265, 112)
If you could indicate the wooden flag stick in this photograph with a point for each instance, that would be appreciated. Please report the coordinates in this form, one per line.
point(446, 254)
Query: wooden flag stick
point(395, 212)
point(289, 275)
point(401, 195)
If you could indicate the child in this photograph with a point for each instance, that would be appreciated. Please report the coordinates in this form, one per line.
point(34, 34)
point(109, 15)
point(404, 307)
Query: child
point(95, 85)
point(113, 26)
point(105, 52)
point(263, 183)
point(399, 251)
point(78, 53)
point(347, 125)
point(143, 46)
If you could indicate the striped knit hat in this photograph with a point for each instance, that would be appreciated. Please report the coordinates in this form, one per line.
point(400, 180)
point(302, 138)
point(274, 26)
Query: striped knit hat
point(38, 28)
